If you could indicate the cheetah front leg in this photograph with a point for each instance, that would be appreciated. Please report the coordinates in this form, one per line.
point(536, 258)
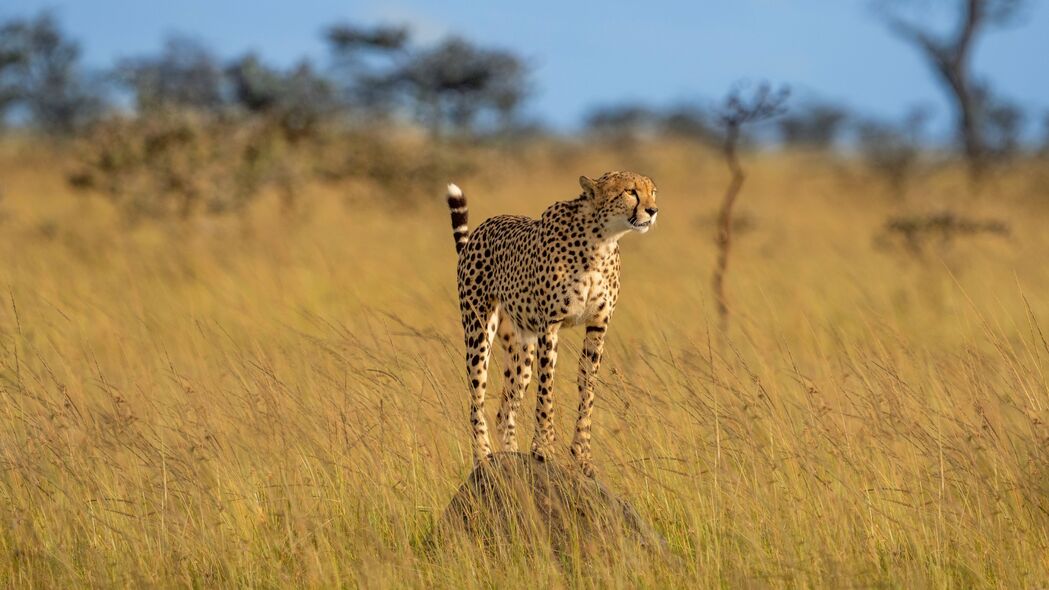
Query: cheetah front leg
point(589, 363)
point(517, 374)
point(479, 338)
point(546, 355)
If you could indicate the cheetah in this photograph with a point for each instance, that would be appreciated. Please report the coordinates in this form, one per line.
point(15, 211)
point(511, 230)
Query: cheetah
point(521, 279)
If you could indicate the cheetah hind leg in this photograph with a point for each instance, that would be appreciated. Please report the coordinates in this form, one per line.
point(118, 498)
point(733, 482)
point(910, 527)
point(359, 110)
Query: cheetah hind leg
point(517, 373)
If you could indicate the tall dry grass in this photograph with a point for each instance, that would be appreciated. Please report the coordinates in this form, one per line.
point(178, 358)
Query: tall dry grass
point(265, 402)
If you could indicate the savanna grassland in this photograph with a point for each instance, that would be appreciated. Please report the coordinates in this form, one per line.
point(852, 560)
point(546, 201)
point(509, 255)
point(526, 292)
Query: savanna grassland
point(278, 399)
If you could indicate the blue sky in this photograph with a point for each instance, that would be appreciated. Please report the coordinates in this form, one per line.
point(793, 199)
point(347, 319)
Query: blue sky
point(588, 52)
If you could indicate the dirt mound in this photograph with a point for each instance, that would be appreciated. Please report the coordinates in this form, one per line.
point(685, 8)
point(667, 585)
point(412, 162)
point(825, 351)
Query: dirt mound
point(515, 498)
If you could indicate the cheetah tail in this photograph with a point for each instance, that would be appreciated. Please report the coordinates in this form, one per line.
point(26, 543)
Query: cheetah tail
point(457, 204)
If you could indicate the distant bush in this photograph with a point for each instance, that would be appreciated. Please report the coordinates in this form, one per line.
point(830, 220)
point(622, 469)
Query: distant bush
point(1045, 134)
point(691, 122)
point(914, 234)
point(812, 125)
point(177, 164)
point(892, 150)
point(180, 164)
point(626, 121)
point(1003, 125)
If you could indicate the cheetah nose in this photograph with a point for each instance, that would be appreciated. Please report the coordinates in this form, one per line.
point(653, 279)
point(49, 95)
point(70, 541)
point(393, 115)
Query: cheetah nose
point(651, 210)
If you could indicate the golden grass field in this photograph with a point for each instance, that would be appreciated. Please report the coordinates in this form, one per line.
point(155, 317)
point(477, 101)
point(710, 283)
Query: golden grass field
point(273, 402)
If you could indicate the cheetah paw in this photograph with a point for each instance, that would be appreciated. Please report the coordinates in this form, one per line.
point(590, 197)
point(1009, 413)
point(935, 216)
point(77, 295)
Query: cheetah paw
point(588, 470)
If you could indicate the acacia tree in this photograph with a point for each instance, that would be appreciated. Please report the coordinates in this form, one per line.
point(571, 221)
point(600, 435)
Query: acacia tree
point(364, 58)
point(452, 84)
point(185, 74)
point(299, 99)
point(456, 82)
point(950, 57)
point(40, 72)
point(738, 110)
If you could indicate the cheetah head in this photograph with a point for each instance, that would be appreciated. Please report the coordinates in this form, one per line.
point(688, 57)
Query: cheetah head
point(622, 201)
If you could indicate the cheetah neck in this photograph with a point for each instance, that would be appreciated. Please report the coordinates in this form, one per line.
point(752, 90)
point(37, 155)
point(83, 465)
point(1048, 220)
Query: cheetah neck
point(576, 220)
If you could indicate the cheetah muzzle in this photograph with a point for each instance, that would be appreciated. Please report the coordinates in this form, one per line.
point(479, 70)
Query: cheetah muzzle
point(521, 279)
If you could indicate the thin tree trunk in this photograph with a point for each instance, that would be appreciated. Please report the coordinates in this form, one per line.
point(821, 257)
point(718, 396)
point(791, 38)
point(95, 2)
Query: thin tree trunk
point(724, 231)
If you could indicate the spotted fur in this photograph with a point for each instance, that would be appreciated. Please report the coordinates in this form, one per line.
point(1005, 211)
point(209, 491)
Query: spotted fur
point(522, 279)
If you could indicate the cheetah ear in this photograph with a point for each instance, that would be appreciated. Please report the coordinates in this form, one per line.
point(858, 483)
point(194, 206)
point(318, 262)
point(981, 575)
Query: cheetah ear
point(589, 186)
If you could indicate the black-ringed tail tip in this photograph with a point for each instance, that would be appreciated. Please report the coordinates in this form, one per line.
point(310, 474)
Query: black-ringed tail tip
point(457, 206)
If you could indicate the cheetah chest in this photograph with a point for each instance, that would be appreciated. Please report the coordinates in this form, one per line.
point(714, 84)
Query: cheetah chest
point(584, 297)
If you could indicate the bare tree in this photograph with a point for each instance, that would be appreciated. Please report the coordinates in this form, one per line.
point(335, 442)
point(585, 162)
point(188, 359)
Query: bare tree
point(738, 110)
point(950, 57)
